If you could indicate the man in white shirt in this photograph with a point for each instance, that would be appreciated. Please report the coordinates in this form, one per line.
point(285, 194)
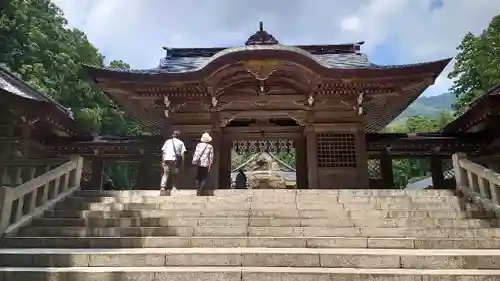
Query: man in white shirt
point(173, 152)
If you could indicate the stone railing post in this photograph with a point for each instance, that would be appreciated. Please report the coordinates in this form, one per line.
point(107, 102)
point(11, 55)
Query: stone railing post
point(5, 207)
point(460, 174)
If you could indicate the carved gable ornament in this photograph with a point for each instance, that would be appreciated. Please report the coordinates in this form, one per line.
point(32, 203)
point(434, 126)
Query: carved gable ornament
point(261, 37)
point(261, 69)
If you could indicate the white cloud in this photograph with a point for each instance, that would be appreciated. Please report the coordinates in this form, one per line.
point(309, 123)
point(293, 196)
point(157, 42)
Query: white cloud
point(136, 30)
point(351, 24)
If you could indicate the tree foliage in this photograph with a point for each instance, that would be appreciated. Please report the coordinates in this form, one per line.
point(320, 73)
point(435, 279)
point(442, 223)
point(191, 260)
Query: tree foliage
point(37, 46)
point(407, 170)
point(476, 68)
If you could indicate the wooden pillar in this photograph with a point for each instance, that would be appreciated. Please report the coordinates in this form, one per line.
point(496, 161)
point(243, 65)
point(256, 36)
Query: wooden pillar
point(224, 177)
point(386, 169)
point(97, 174)
point(216, 142)
point(363, 181)
point(436, 171)
point(25, 134)
point(144, 180)
point(312, 157)
point(6, 152)
point(301, 171)
point(25, 138)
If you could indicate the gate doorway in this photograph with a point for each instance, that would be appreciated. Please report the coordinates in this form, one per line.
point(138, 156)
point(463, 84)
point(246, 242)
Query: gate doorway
point(271, 156)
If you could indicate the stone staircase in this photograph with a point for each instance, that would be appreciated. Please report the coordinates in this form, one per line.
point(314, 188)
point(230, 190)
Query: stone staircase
point(263, 235)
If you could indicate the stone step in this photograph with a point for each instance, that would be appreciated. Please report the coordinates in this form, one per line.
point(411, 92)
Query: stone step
point(246, 199)
point(243, 231)
point(243, 274)
point(266, 242)
point(261, 206)
point(254, 257)
point(253, 205)
point(279, 213)
point(266, 222)
point(277, 193)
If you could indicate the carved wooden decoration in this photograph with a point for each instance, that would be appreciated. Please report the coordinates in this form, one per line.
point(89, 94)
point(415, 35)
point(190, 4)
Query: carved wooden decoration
point(225, 121)
point(310, 100)
point(169, 108)
point(299, 121)
point(166, 101)
point(360, 103)
point(261, 70)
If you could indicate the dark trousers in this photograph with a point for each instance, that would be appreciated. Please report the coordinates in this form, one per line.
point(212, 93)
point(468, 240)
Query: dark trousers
point(201, 178)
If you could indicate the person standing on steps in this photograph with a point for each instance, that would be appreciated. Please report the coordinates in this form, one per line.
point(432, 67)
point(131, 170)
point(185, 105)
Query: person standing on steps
point(173, 152)
point(203, 158)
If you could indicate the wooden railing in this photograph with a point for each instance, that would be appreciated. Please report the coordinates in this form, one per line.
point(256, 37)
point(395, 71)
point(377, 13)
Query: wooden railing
point(478, 183)
point(20, 204)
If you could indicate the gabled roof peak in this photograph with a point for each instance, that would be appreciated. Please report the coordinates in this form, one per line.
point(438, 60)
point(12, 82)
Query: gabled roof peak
point(261, 37)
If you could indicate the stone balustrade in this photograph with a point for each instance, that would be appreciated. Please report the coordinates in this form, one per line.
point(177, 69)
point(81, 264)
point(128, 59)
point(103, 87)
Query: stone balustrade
point(26, 194)
point(477, 183)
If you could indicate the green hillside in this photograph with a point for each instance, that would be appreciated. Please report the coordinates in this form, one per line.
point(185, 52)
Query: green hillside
point(428, 107)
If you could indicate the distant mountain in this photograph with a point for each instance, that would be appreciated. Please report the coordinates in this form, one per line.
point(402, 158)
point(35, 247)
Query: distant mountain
point(428, 107)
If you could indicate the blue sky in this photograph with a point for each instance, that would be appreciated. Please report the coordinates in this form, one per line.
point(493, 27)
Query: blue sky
point(395, 31)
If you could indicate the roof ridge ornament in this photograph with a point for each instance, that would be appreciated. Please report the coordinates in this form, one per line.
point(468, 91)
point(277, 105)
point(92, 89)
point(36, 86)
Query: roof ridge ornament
point(261, 37)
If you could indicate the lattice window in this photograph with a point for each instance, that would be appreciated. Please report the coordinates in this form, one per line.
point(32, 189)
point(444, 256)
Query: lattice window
point(374, 169)
point(243, 150)
point(448, 171)
point(271, 146)
point(336, 150)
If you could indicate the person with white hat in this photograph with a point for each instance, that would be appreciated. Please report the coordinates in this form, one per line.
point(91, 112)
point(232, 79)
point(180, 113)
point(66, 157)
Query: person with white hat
point(203, 158)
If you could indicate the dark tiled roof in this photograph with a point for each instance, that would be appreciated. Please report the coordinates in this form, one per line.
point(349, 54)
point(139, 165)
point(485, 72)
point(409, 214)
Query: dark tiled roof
point(13, 85)
point(185, 64)
point(472, 115)
point(182, 60)
point(179, 60)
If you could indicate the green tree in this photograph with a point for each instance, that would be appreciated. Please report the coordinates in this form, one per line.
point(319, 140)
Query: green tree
point(119, 64)
point(408, 170)
point(37, 45)
point(420, 124)
point(476, 67)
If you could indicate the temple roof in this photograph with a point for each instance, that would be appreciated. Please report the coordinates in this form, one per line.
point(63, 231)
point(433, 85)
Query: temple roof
point(13, 85)
point(21, 97)
point(190, 60)
point(330, 57)
point(185, 71)
point(178, 63)
point(482, 109)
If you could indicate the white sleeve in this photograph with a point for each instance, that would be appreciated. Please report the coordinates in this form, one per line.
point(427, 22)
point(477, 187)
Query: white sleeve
point(164, 147)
